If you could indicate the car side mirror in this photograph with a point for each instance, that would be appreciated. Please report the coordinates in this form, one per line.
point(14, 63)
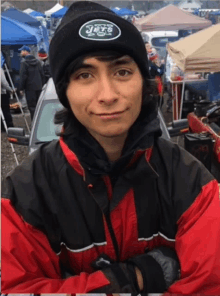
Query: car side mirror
point(16, 135)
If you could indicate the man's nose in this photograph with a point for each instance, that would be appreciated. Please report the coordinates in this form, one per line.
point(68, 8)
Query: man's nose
point(107, 91)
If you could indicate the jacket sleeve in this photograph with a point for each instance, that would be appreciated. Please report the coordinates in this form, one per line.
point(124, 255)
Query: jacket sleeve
point(198, 244)
point(4, 82)
point(41, 73)
point(194, 196)
point(23, 75)
point(29, 265)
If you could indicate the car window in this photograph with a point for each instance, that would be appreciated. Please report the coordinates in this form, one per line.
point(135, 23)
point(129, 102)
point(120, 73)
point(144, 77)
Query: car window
point(45, 129)
point(162, 41)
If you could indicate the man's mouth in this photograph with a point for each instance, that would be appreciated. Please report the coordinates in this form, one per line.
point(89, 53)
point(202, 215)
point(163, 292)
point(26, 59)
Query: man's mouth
point(112, 115)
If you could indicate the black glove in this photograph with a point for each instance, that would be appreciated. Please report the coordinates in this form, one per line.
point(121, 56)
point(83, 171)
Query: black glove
point(159, 268)
point(122, 276)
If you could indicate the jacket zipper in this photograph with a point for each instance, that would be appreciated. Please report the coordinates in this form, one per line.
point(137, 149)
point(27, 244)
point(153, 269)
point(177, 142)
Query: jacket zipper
point(108, 222)
point(108, 184)
point(113, 237)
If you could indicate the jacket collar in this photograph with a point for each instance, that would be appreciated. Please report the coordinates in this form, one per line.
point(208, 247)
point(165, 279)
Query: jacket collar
point(92, 156)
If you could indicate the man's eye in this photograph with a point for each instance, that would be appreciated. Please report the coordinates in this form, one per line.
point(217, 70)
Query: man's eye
point(123, 73)
point(84, 76)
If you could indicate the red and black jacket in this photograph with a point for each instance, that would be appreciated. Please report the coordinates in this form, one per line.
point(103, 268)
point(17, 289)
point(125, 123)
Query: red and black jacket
point(55, 213)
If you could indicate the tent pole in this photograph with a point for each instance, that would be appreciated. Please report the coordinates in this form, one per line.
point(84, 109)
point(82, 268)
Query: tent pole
point(6, 128)
point(182, 96)
point(181, 104)
point(17, 97)
point(176, 98)
point(165, 64)
point(163, 77)
point(172, 93)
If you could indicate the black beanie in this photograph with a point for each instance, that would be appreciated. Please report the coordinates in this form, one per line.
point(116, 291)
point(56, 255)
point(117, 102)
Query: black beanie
point(88, 27)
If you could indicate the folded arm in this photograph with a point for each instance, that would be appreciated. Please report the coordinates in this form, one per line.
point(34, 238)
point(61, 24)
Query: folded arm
point(29, 265)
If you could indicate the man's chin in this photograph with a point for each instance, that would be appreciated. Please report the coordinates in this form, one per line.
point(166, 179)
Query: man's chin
point(113, 134)
point(108, 132)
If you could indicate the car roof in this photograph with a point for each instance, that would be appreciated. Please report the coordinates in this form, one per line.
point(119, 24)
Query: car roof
point(50, 91)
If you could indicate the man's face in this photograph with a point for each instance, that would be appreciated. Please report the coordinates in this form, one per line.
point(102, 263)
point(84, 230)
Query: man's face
point(106, 97)
point(148, 47)
point(24, 53)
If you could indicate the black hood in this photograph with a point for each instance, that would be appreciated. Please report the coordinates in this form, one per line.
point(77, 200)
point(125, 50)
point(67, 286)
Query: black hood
point(93, 157)
point(31, 60)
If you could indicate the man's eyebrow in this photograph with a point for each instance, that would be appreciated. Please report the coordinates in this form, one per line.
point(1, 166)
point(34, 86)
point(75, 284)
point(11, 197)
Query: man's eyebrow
point(122, 61)
point(84, 66)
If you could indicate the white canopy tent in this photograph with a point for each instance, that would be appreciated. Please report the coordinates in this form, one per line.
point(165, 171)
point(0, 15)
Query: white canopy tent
point(199, 52)
point(6, 5)
point(53, 9)
point(28, 10)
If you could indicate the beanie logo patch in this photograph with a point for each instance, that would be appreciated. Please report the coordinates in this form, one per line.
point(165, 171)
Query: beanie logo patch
point(99, 30)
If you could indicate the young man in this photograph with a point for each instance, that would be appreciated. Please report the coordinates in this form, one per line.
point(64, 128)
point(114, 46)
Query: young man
point(108, 206)
point(31, 78)
point(44, 59)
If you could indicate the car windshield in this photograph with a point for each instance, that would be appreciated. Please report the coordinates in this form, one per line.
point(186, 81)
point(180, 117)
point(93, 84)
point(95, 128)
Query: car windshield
point(162, 41)
point(45, 129)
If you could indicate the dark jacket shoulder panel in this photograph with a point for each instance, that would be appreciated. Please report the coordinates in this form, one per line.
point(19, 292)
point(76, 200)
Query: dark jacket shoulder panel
point(28, 184)
point(50, 195)
point(182, 176)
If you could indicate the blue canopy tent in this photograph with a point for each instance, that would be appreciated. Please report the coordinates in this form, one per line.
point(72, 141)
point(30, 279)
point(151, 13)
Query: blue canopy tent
point(56, 18)
point(213, 16)
point(124, 11)
point(196, 12)
point(16, 33)
point(60, 13)
point(24, 18)
point(115, 10)
point(215, 12)
point(37, 13)
point(214, 86)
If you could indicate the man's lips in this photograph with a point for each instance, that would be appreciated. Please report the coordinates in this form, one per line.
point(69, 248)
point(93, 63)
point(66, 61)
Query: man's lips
point(112, 115)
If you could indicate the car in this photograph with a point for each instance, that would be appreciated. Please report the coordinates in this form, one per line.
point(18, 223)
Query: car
point(159, 39)
point(44, 130)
